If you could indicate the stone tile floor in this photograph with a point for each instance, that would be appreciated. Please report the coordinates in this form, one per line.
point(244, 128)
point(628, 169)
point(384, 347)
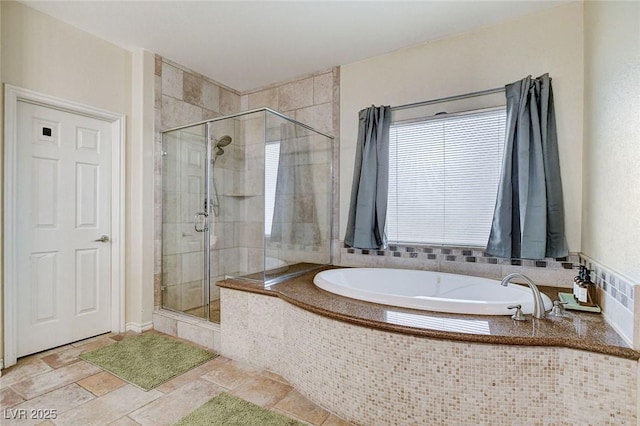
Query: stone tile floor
point(83, 394)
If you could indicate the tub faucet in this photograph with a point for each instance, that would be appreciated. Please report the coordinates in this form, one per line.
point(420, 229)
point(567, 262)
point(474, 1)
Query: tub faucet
point(538, 304)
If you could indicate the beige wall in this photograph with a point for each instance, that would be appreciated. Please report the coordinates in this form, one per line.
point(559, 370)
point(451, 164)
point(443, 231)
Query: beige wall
point(139, 195)
point(611, 175)
point(48, 56)
point(611, 227)
point(551, 41)
point(1, 209)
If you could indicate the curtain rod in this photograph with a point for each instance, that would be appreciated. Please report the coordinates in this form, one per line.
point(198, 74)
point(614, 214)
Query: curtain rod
point(450, 98)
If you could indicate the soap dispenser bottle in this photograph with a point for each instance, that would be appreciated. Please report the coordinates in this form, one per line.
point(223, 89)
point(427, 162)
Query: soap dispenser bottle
point(583, 292)
point(577, 282)
point(589, 290)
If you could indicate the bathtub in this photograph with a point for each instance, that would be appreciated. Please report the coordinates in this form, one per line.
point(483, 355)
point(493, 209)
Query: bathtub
point(431, 291)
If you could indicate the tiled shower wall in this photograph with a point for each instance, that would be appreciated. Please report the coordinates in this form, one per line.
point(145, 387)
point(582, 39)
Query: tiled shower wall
point(181, 97)
point(312, 100)
point(315, 101)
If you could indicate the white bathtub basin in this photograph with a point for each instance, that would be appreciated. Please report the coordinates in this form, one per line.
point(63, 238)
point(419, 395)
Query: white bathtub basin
point(432, 291)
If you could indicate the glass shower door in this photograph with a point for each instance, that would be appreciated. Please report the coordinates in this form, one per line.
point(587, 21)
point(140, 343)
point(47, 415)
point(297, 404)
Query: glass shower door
point(185, 219)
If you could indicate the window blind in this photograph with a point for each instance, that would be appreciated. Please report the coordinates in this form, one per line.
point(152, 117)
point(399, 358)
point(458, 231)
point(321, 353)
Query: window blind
point(443, 178)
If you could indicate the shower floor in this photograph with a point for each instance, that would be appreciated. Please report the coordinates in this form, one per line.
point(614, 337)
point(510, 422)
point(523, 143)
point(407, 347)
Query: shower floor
point(214, 311)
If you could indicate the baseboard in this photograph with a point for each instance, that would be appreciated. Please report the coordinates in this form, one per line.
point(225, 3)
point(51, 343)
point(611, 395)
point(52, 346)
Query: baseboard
point(139, 328)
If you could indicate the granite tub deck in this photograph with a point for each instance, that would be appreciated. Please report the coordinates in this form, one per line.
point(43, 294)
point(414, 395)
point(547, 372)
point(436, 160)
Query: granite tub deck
point(579, 330)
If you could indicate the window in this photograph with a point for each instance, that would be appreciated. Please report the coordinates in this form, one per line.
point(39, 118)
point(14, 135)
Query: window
point(271, 160)
point(443, 178)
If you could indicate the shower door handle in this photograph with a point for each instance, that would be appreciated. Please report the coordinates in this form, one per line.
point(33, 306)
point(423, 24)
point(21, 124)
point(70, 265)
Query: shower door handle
point(204, 222)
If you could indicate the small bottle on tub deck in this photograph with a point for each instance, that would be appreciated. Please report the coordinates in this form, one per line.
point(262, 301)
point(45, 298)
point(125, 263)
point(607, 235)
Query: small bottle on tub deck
point(592, 289)
point(583, 293)
point(577, 282)
point(588, 293)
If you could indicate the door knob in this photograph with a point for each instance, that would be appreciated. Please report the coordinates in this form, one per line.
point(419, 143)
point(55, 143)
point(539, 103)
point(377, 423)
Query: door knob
point(103, 239)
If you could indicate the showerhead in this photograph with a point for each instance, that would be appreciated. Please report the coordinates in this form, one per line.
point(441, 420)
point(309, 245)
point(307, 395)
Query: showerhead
point(223, 141)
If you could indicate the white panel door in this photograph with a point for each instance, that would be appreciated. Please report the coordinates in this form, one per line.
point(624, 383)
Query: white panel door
point(63, 210)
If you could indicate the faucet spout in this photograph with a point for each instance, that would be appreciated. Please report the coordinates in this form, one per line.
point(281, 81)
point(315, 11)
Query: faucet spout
point(538, 304)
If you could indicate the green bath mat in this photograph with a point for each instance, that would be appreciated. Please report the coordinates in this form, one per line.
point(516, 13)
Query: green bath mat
point(229, 410)
point(148, 360)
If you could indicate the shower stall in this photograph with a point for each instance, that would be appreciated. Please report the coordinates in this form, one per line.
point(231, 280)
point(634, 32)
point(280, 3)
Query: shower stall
point(244, 196)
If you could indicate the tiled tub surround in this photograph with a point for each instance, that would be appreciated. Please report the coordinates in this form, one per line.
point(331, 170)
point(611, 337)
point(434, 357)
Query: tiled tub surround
point(357, 360)
point(580, 330)
point(462, 260)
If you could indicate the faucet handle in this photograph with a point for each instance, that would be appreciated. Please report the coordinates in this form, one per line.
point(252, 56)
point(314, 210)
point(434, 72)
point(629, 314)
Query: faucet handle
point(558, 309)
point(517, 315)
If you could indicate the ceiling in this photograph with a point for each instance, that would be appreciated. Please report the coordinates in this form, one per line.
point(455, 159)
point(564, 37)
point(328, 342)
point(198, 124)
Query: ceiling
point(247, 45)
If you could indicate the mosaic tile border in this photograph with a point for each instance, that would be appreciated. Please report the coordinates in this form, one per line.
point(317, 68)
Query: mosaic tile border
point(462, 255)
point(618, 287)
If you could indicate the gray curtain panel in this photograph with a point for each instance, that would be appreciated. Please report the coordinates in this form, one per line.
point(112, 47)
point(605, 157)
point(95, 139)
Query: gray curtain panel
point(368, 207)
point(295, 220)
point(528, 221)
